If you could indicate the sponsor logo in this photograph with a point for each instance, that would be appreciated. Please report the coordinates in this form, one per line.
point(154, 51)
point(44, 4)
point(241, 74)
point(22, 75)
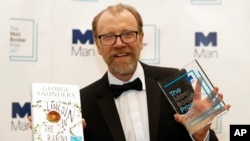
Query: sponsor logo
point(206, 45)
point(19, 116)
point(23, 40)
point(82, 43)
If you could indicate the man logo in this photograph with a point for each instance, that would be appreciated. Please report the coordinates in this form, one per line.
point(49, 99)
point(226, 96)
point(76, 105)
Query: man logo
point(83, 38)
point(206, 40)
point(209, 40)
point(23, 112)
point(17, 109)
point(82, 44)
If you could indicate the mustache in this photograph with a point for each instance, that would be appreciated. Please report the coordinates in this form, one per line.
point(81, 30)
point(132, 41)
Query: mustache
point(113, 55)
point(119, 51)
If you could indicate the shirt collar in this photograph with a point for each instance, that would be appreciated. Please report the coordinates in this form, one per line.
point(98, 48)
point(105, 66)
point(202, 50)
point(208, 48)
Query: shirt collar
point(139, 72)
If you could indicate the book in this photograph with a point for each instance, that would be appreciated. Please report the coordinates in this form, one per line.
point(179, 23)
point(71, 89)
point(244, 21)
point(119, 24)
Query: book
point(56, 112)
point(190, 92)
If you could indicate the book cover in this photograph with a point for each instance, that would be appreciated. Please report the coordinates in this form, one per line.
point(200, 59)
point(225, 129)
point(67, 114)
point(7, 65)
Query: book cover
point(56, 112)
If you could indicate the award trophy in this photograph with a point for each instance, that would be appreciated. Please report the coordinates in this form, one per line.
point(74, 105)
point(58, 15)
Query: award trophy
point(190, 92)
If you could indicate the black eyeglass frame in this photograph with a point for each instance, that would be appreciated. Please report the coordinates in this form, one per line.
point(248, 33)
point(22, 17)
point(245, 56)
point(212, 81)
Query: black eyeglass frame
point(116, 36)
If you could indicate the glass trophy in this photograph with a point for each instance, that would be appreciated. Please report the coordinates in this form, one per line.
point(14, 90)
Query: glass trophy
point(190, 92)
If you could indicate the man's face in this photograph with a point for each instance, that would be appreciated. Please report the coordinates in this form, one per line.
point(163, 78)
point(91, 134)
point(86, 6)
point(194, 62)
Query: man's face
point(120, 57)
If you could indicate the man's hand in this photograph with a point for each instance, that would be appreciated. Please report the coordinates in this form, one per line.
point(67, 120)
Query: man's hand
point(84, 123)
point(203, 109)
point(30, 121)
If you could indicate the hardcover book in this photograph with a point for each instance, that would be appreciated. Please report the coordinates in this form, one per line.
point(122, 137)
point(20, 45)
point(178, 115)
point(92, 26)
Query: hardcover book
point(190, 92)
point(56, 112)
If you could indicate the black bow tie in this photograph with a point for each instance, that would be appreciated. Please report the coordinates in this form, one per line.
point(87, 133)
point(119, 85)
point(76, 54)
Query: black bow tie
point(117, 90)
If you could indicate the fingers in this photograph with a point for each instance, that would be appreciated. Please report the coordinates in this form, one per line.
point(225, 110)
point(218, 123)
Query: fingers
point(215, 98)
point(84, 123)
point(30, 118)
point(197, 90)
point(30, 122)
point(227, 107)
point(179, 118)
point(218, 104)
point(223, 109)
point(213, 93)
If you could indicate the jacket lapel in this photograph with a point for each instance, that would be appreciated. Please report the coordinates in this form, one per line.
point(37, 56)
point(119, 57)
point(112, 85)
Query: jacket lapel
point(154, 99)
point(110, 113)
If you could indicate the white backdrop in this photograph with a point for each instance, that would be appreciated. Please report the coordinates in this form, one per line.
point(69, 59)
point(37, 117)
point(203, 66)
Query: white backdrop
point(37, 45)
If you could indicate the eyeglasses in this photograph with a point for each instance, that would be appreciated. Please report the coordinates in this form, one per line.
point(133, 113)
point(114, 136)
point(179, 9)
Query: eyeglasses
point(110, 39)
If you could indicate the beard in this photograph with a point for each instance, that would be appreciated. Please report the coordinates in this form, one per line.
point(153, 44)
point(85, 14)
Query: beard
point(125, 67)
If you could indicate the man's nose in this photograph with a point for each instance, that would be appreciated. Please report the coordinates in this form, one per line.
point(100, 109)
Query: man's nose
point(119, 42)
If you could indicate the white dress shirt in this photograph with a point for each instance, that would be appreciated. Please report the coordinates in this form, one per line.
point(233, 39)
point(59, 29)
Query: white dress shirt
point(132, 108)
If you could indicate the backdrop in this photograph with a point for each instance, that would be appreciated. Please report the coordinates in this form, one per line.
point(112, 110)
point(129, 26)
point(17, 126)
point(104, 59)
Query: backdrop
point(51, 41)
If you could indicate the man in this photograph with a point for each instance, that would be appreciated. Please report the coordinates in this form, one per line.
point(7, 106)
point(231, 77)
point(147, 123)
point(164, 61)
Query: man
point(136, 115)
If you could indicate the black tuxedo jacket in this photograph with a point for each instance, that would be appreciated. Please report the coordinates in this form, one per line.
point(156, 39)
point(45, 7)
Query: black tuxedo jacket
point(103, 123)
